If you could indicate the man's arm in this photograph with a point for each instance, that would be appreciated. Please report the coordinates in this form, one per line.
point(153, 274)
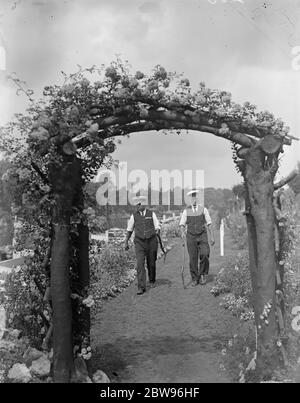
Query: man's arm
point(130, 228)
point(211, 234)
point(156, 223)
point(182, 224)
point(128, 235)
point(209, 226)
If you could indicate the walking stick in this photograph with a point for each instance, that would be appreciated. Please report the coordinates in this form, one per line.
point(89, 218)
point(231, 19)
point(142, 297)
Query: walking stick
point(183, 263)
point(162, 246)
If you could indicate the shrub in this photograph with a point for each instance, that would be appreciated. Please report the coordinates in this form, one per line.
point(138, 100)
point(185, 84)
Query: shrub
point(238, 306)
point(112, 268)
point(26, 310)
point(97, 224)
point(234, 277)
point(170, 229)
point(237, 355)
point(235, 281)
point(238, 230)
point(291, 286)
point(239, 358)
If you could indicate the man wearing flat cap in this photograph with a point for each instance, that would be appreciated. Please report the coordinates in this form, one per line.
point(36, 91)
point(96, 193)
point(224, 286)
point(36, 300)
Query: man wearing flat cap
point(196, 219)
point(145, 225)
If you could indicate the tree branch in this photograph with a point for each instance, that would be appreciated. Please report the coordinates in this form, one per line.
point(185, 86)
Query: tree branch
point(159, 124)
point(286, 180)
point(38, 285)
point(46, 258)
point(130, 120)
point(41, 174)
point(196, 114)
point(46, 340)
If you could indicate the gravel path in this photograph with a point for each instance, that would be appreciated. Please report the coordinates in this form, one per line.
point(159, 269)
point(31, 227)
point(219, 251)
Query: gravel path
point(169, 334)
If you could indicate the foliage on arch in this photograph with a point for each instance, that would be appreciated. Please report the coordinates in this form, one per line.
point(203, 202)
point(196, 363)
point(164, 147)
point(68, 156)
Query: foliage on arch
point(93, 105)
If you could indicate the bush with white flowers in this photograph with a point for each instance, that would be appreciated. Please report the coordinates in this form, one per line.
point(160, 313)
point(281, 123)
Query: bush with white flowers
point(112, 270)
point(234, 282)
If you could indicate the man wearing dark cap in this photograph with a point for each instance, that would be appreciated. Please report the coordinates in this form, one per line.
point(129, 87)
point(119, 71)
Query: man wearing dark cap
point(197, 221)
point(145, 225)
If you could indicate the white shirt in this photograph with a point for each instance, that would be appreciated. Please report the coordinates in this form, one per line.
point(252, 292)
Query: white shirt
point(130, 226)
point(195, 209)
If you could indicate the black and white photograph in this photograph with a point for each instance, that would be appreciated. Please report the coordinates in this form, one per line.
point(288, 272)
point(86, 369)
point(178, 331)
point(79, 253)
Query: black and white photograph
point(149, 194)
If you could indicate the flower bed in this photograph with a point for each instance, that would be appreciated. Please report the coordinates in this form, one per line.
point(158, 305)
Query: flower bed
point(26, 310)
point(234, 281)
point(112, 270)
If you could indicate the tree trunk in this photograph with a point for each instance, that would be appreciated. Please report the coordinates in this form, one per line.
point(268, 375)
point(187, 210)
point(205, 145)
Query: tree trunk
point(83, 255)
point(252, 246)
point(82, 320)
point(61, 305)
point(65, 184)
point(260, 222)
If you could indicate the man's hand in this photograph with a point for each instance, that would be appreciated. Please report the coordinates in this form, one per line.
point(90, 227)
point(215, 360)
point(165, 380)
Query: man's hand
point(211, 235)
point(182, 233)
point(183, 239)
point(126, 246)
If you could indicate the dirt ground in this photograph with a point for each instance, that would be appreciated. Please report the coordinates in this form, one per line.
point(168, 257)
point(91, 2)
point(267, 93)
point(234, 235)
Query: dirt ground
point(168, 334)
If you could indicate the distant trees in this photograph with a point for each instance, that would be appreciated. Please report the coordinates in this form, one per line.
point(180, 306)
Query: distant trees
point(239, 190)
point(295, 183)
point(215, 199)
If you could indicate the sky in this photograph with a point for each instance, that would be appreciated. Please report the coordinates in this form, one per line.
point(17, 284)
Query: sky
point(242, 46)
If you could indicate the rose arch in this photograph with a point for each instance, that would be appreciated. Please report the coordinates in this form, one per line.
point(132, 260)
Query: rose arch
point(70, 133)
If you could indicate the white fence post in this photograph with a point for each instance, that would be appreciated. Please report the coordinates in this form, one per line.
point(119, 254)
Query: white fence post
point(222, 238)
point(2, 321)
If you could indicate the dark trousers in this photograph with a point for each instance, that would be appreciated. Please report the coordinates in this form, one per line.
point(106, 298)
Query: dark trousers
point(146, 249)
point(198, 247)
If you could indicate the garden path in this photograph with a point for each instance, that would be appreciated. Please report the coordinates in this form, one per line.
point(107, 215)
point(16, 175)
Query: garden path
point(168, 334)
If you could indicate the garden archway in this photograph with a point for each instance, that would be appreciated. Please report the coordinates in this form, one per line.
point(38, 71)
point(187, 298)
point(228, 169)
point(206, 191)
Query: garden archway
point(73, 133)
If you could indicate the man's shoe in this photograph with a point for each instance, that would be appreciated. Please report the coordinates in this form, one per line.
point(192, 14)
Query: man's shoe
point(194, 284)
point(141, 291)
point(202, 279)
point(151, 284)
